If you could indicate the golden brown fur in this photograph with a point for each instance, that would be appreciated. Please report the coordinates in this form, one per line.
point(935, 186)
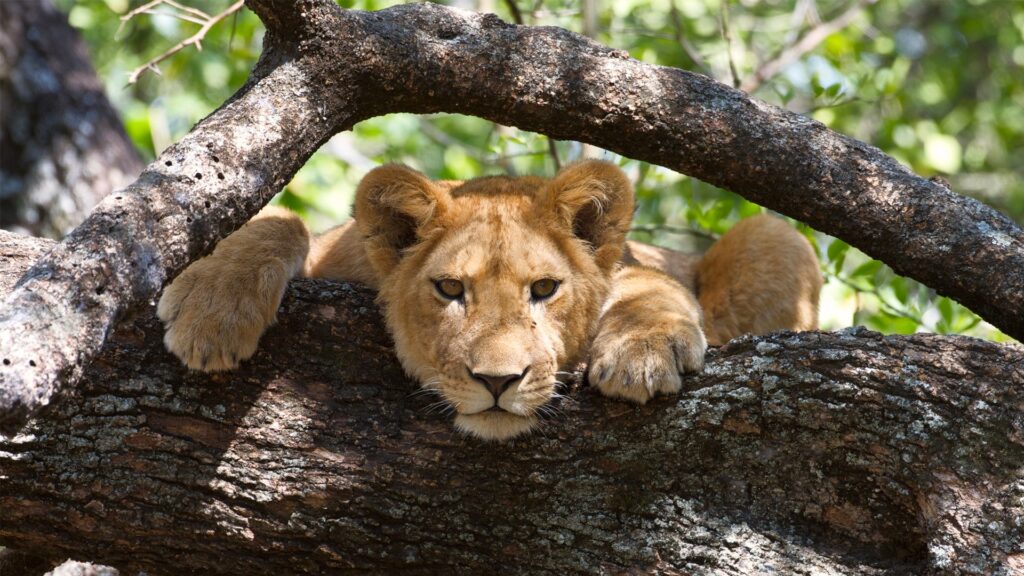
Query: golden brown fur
point(493, 352)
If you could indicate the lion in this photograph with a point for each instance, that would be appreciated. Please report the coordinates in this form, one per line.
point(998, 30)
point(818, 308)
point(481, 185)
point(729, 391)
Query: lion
point(492, 286)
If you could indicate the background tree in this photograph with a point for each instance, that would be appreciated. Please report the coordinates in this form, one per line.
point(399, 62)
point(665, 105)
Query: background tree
point(62, 146)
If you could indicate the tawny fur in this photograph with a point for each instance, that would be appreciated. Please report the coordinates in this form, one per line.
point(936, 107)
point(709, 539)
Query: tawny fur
point(631, 310)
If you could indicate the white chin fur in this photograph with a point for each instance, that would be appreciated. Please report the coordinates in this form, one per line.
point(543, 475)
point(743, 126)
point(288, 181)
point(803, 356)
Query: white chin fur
point(496, 426)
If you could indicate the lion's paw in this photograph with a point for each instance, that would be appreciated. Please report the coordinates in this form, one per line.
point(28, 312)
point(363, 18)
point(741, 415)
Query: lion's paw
point(215, 312)
point(639, 364)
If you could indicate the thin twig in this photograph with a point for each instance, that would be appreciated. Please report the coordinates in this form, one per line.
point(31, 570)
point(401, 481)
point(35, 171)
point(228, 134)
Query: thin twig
point(133, 13)
point(891, 309)
point(441, 138)
point(804, 11)
point(189, 9)
point(517, 16)
point(178, 15)
point(194, 40)
point(234, 26)
point(503, 160)
point(805, 44)
point(838, 103)
point(676, 230)
point(680, 37)
point(148, 7)
point(589, 8)
point(502, 157)
point(728, 43)
point(553, 150)
point(543, 14)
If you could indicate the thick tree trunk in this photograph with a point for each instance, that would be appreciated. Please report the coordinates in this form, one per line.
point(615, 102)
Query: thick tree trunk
point(62, 146)
point(324, 68)
point(845, 453)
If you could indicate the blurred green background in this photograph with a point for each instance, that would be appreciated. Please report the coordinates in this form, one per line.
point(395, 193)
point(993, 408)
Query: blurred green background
point(937, 84)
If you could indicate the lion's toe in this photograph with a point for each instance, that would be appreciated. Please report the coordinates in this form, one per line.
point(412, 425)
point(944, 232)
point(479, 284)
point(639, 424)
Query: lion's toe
point(214, 317)
point(640, 368)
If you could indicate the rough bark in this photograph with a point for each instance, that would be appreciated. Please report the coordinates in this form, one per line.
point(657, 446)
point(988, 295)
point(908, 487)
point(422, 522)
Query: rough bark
point(324, 68)
point(14, 562)
point(844, 453)
point(62, 145)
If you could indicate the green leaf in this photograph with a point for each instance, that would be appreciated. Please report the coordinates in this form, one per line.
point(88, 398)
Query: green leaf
point(945, 306)
point(900, 289)
point(837, 248)
point(867, 269)
point(816, 88)
point(291, 201)
point(837, 254)
point(886, 322)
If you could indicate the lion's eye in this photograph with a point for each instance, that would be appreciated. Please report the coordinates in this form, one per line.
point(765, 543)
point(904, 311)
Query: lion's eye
point(543, 289)
point(451, 289)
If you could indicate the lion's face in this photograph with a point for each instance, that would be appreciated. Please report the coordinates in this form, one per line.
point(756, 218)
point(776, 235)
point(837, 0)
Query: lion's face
point(488, 312)
point(489, 287)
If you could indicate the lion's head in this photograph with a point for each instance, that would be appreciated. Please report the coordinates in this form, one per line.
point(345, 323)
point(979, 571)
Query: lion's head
point(491, 285)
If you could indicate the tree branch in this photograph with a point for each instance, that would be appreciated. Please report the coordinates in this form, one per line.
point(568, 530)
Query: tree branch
point(513, 8)
point(193, 40)
point(845, 453)
point(324, 68)
point(805, 44)
point(723, 21)
point(679, 34)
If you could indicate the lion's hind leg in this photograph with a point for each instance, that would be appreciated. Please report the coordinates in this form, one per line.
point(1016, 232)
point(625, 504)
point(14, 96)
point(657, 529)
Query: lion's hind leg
point(760, 276)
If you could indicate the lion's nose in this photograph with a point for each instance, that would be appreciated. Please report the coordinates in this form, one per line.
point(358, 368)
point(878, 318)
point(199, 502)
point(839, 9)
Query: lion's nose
point(498, 384)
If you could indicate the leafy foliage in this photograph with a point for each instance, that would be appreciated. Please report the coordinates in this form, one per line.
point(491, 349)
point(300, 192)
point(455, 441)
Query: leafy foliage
point(936, 84)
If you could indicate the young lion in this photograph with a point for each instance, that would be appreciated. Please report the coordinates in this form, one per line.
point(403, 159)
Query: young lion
point(490, 286)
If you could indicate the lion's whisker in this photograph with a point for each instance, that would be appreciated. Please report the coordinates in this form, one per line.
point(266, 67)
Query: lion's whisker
point(438, 407)
point(421, 392)
point(550, 411)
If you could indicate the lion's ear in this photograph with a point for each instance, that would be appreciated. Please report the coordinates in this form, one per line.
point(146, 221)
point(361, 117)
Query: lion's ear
point(395, 206)
point(594, 200)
